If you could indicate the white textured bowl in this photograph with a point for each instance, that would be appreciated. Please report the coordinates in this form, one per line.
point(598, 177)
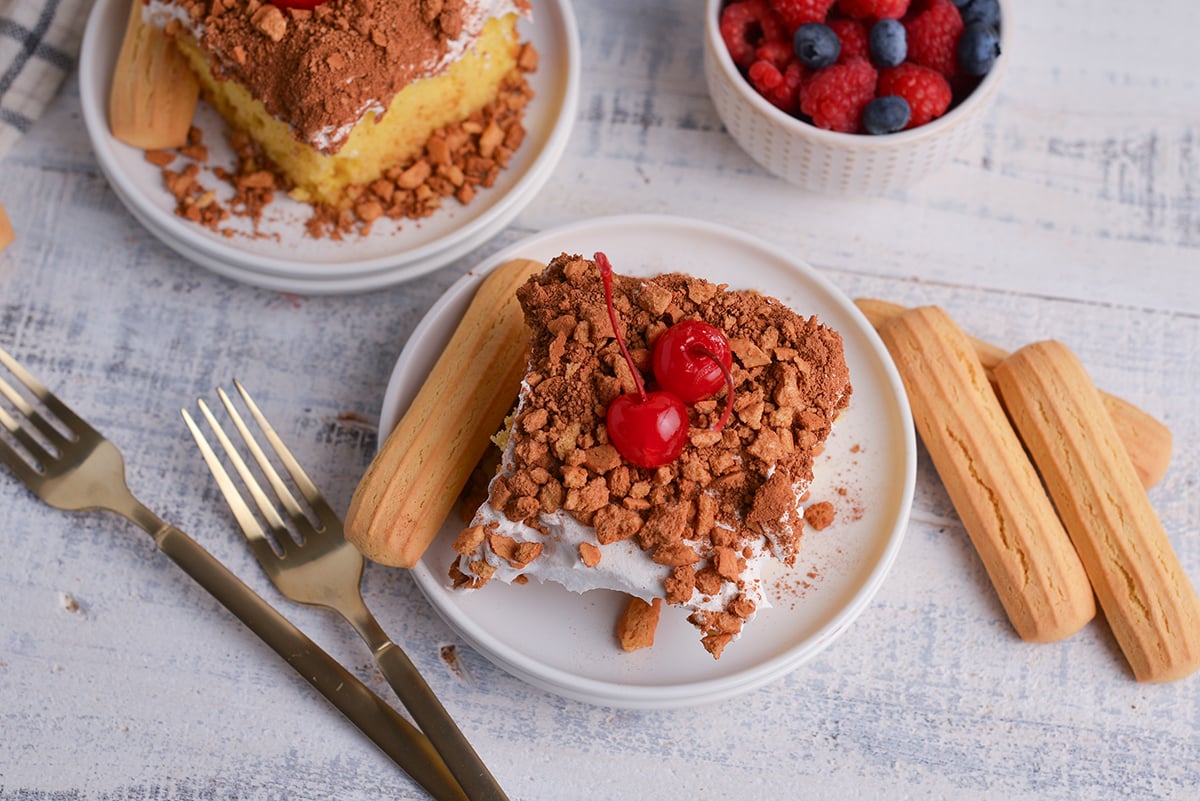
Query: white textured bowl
point(832, 162)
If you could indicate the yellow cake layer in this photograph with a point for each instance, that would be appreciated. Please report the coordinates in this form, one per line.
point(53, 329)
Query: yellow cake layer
point(376, 143)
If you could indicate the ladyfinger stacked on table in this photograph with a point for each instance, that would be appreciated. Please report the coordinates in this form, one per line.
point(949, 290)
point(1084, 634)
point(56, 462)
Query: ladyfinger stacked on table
point(1146, 440)
point(1153, 610)
point(1096, 455)
point(994, 487)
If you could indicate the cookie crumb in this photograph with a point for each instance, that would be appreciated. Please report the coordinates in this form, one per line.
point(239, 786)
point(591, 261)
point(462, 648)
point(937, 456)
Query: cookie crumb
point(638, 623)
point(819, 515)
point(589, 554)
point(458, 160)
point(69, 603)
point(159, 158)
point(449, 656)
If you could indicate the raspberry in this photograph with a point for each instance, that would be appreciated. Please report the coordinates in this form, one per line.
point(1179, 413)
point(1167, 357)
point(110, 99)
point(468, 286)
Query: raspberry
point(853, 35)
point(795, 13)
point(746, 26)
point(834, 98)
point(874, 9)
point(916, 62)
point(778, 53)
point(779, 88)
point(927, 91)
point(933, 37)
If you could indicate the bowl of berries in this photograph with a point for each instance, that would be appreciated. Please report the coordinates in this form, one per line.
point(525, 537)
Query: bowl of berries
point(854, 97)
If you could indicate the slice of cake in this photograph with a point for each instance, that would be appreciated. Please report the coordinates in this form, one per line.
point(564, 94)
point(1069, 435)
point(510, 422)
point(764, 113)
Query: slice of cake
point(336, 93)
point(569, 506)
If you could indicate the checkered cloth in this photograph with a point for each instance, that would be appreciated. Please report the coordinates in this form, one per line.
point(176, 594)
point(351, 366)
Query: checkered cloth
point(39, 40)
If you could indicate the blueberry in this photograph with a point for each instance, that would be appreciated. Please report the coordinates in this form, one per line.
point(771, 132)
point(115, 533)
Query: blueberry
point(977, 48)
point(984, 11)
point(816, 45)
point(960, 3)
point(888, 43)
point(885, 115)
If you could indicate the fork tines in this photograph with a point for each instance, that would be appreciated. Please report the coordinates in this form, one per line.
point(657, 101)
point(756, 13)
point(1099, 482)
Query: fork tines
point(34, 434)
point(296, 513)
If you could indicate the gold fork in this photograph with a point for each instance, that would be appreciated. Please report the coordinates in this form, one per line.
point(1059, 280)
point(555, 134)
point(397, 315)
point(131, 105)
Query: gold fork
point(71, 466)
point(310, 561)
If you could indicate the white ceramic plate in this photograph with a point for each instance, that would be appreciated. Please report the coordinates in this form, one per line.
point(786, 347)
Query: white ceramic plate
point(285, 258)
point(563, 642)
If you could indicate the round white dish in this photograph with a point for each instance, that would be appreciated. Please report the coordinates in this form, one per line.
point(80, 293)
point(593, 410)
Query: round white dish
point(563, 642)
point(282, 256)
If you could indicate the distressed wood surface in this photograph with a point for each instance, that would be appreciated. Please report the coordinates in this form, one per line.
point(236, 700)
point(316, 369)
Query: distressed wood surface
point(1074, 215)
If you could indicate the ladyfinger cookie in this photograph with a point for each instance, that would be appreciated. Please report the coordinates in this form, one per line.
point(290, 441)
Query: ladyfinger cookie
point(990, 480)
point(7, 236)
point(154, 92)
point(1146, 440)
point(1151, 606)
point(413, 482)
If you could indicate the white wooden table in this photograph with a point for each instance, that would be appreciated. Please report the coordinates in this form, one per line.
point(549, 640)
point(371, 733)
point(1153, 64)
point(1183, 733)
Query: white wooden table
point(1075, 215)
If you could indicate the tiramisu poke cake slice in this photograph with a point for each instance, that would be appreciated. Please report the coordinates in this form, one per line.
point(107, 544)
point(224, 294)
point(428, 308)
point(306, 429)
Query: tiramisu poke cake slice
point(663, 437)
point(336, 92)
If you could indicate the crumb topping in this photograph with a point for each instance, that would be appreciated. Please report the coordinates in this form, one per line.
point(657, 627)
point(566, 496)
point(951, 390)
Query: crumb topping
point(458, 161)
point(321, 69)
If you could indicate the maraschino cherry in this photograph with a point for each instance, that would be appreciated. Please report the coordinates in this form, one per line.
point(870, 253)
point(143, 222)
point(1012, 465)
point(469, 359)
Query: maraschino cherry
point(692, 360)
point(649, 429)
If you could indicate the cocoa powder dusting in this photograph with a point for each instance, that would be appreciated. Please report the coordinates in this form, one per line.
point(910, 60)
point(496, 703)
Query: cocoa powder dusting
point(320, 68)
point(729, 489)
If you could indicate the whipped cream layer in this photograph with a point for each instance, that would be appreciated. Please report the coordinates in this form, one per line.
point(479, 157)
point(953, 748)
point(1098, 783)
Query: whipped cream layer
point(623, 567)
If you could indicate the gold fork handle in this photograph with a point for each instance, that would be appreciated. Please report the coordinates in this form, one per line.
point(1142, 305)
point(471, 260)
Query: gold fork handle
point(417, 697)
point(435, 721)
point(394, 735)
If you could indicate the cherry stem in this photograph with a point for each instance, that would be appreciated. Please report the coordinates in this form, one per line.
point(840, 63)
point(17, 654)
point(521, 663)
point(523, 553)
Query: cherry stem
point(606, 276)
point(703, 351)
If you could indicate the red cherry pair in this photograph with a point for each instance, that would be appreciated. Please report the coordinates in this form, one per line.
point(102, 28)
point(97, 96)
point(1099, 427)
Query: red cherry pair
point(691, 362)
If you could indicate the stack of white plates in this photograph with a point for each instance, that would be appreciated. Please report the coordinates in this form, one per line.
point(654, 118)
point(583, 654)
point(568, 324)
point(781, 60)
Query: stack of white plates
point(279, 254)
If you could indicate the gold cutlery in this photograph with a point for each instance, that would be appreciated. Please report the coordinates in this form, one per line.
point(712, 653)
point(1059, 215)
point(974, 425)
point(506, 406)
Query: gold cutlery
point(61, 459)
point(309, 560)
